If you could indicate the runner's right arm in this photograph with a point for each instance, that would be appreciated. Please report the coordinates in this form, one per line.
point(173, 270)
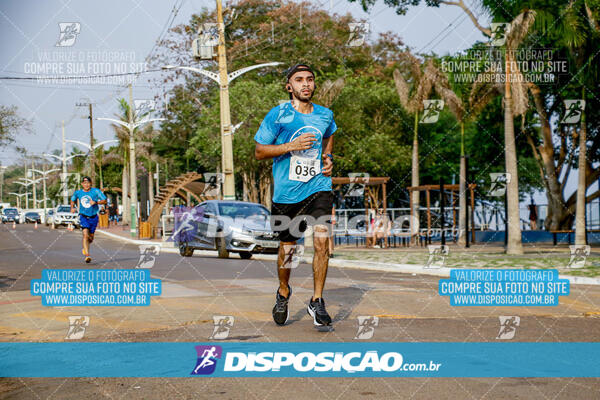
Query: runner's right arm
point(73, 204)
point(302, 142)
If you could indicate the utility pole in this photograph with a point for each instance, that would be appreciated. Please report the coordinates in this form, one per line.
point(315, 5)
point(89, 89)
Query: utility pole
point(223, 79)
point(132, 171)
point(34, 184)
point(157, 178)
point(26, 197)
point(63, 177)
point(131, 124)
point(2, 168)
point(226, 136)
point(92, 155)
point(64, 159)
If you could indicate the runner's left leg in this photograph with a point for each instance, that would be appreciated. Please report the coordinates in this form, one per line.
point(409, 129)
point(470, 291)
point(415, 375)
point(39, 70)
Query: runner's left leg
point(320, 259)
point(86, 245)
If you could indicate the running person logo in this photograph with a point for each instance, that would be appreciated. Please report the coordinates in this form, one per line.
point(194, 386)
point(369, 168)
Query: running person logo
point(431, 111)
point(498, 180)
point(573, 111)
point(437, 255)
point(68, 33)
point(508, 327)
point(207, 359)
point(293, 255)
point(499, 32)
point(579, 254)
point(358, 33)
point(356, 187)
point(222, 326)
point(366, 327)
point(212, 184)
point(148, 254)
point(144, 107)
point(77, 326)
point(286, 112)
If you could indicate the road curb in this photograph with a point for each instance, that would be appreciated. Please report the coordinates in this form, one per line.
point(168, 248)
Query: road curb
point(414, 269)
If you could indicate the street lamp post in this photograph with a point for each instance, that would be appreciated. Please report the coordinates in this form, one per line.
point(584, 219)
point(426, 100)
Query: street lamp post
point(19, 195)
point(223, 79)
point(64, 160)
point(91, 152)
point(44, 174)
point(131, 124)
point(29, 182)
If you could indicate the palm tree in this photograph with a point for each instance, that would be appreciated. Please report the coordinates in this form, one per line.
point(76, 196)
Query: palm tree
point(464, 110)
point(144, 143)
point(121, 153)
point(577, 36)
point(515, 104)
point(411, 94)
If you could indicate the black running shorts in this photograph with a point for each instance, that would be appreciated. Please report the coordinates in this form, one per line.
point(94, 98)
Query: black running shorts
point(291, 220)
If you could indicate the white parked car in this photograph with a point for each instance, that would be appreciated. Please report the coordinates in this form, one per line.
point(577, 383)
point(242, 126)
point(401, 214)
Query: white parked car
point(62, 215)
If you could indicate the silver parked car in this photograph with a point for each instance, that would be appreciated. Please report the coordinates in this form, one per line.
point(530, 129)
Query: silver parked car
point(62, 215)
point(226, 226)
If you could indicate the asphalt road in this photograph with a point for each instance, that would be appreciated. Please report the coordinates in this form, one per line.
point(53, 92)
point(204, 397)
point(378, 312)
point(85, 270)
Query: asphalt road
point(196, 289)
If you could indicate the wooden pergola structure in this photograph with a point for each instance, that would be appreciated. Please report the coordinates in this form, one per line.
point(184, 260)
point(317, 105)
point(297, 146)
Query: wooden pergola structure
point(373, 187)
point(454, 190)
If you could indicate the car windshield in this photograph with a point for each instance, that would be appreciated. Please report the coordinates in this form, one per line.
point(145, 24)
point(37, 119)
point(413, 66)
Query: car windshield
point(65, 209)
point(10, 211)
point(242, 210)
point(32, 214)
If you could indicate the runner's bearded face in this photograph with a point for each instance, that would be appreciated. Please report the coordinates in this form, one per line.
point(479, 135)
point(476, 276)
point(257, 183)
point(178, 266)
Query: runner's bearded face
point(303, 85)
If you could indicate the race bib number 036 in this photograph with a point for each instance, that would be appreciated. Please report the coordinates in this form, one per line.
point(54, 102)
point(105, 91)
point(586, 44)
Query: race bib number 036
point(304, 169)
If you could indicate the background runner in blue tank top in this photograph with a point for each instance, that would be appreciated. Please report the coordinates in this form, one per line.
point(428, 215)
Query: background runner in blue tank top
point(89, 198)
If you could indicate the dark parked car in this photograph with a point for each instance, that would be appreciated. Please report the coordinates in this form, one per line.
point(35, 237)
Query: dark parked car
point(32, 217)
point(226, 226)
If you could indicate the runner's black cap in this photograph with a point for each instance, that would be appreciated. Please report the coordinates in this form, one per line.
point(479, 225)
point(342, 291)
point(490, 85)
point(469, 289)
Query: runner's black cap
point(298, 68)
point(86, 178)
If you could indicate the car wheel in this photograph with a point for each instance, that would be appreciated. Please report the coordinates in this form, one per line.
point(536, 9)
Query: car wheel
point(222, 248)
point(245, 255)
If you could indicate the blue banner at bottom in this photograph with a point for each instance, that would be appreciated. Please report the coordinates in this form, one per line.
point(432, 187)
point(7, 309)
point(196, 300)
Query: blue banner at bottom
point(281, 359)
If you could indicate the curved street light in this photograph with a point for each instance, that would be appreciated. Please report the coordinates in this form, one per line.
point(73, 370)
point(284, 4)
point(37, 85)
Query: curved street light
point(131, 124)
point(223, 79)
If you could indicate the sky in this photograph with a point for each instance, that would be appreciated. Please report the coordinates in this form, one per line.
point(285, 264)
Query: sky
point(129, 29)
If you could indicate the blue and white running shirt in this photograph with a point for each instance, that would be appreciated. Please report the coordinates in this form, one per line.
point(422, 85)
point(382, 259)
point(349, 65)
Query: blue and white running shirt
point(84, 198)
point(283, 124)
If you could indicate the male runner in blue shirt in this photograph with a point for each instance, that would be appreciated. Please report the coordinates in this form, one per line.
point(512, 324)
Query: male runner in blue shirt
point(297, 135)
point(89, 198)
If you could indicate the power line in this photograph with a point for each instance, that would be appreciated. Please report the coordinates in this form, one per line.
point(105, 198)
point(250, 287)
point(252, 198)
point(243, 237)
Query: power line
point(441, 32)
point(74, 77)
point(166, 27)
